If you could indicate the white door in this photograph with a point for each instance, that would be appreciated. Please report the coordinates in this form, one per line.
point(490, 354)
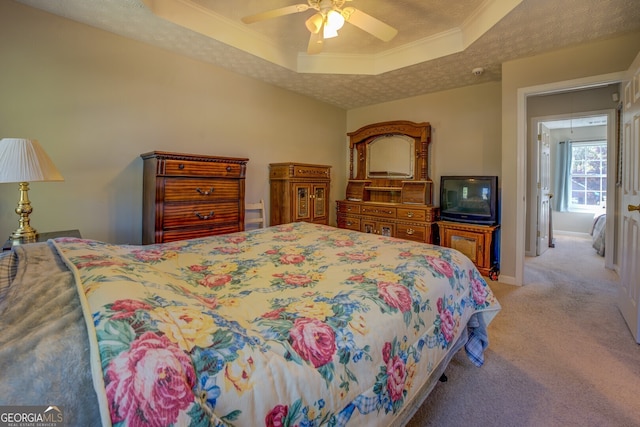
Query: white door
point(544, 189)
point(629, 292)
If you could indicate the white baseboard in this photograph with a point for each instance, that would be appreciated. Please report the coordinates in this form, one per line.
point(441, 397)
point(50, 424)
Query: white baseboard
point(571, 233)
point(507, 280)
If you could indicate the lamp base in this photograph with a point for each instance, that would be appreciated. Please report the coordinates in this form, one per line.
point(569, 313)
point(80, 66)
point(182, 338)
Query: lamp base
point(21, 236)
point(25, 233)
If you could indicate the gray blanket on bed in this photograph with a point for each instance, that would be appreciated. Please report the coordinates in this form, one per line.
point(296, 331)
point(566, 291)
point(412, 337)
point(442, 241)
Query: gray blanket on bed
point(44, 349)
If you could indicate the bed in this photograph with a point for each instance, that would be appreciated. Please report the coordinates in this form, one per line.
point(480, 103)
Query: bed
point(297, 324)
point(598, 233)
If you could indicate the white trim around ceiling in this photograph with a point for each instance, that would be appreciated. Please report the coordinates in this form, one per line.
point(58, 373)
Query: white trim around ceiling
point(191, 15)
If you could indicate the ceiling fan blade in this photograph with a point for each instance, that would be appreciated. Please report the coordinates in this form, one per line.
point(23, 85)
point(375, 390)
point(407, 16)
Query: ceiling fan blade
point(288, 10)
point(316, 42)
point(369, 24)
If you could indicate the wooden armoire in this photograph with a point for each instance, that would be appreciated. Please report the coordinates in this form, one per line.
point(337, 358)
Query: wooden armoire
point(299, 192)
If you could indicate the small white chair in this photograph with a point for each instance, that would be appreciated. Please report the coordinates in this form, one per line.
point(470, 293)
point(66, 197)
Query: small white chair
point(256, 217)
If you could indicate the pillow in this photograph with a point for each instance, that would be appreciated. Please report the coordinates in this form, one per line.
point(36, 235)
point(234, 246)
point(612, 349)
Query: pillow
point(8, 270)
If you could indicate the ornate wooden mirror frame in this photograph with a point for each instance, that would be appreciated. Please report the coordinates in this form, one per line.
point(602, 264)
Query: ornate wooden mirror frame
point(416, 189)
point(361, 138)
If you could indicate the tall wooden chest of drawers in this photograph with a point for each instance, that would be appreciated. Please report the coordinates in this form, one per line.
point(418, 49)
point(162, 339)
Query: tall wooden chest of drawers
point(187, 196)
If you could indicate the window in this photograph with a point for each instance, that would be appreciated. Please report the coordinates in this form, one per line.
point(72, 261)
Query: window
point(588, 176)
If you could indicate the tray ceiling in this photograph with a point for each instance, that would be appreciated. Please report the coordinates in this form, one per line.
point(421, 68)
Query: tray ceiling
point(439, 42)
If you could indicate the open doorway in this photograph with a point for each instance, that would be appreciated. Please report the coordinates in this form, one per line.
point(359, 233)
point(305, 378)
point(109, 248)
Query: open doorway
point(524, 112)
point(571, 177)
point(579, 167)
point(571, 192)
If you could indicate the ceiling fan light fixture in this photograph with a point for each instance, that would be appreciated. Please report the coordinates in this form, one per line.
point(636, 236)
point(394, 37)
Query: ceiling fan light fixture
point(314, 23)
point(329, 33)
point(335, 20)
point(329, 17)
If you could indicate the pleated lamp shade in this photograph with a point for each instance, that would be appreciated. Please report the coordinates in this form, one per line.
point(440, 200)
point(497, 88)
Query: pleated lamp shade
point(24, 160)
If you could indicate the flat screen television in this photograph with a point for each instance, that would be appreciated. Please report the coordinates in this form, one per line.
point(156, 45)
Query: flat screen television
point(472, 199)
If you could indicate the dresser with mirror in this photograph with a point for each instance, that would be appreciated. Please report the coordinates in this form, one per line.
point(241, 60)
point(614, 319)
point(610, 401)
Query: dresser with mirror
point(389, 191)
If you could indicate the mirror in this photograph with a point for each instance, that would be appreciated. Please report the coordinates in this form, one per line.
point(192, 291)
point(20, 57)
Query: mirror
point(391, 157)
point(389, 151)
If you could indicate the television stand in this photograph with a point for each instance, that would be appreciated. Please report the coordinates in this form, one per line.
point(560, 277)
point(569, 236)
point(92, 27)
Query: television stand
point(473, 240)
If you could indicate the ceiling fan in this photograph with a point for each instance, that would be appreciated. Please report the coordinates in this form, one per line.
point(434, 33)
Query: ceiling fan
point(328, 19)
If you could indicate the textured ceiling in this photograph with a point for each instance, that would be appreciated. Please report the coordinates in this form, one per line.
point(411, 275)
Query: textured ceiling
point(529, 28)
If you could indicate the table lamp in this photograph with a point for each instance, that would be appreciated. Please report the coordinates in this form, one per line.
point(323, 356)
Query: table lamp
point(24, 161)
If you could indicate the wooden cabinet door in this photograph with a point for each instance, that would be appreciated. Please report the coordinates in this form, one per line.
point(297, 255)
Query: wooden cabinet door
point(386, 228)
point(302, 207)
point(311, 202)
point(469, 243)
point(368, 226)
point(320, 202)
point(382, 228)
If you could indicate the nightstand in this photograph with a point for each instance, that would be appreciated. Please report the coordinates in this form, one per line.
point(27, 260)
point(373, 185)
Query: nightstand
point(473, 240)
point(43, 237)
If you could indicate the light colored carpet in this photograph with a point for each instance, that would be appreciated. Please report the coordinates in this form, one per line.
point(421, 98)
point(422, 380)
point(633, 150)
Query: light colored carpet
point(560, 353)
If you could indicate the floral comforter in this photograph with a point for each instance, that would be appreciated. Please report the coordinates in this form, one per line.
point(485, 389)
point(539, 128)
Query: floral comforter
point(298, 324)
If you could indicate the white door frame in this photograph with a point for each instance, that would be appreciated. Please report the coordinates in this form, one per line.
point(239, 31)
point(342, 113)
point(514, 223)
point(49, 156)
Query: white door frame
point(521, 149)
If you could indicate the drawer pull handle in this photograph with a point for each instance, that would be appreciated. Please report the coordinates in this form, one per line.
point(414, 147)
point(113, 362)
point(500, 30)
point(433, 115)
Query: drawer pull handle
point(206, 192)
point(181, 166)
point(409, 214)
point(410, 231)
point(349, 223)
point(228, 168)
point(199, 215)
